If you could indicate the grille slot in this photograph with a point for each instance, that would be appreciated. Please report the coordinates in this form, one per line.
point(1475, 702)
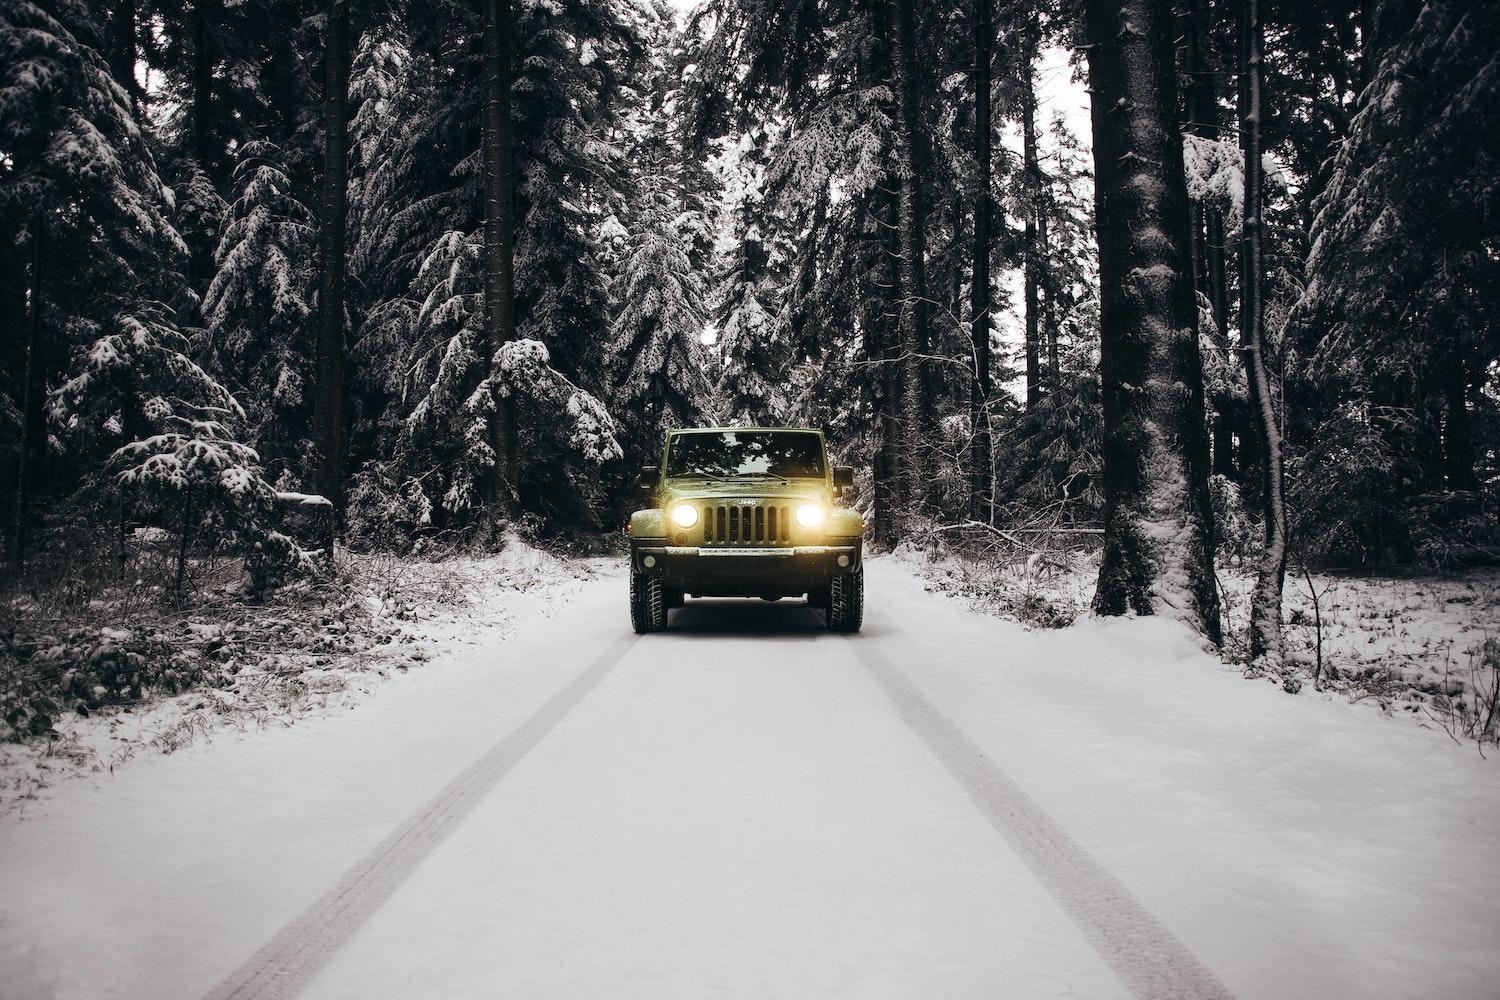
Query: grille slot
point(758, 524)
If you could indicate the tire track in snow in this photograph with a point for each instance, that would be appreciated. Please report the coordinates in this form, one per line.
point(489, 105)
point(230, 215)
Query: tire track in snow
point(1146, 956)
point(287, 963)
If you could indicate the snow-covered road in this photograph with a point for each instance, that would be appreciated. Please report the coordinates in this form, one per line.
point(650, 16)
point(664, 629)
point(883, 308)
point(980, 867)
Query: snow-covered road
point(749, 806)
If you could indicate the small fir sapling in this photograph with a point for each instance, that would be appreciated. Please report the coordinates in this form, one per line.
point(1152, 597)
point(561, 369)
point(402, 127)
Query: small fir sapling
point(167, 427)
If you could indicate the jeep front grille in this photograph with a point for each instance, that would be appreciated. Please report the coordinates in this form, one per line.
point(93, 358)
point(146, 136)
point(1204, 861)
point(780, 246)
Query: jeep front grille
point(757, 524)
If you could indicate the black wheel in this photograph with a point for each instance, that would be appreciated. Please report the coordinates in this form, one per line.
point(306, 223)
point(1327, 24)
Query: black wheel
point(846, 601)
point(648, 604)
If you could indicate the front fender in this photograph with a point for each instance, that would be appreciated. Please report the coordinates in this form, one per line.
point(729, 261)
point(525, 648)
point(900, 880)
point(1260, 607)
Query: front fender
point(649, 523)
point(844, 523)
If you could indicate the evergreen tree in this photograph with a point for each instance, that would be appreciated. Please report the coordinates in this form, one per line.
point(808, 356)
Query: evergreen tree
point(1400, 308)
point(759, 356)
point(259, 310)
point(84, 212)
point(659, 361)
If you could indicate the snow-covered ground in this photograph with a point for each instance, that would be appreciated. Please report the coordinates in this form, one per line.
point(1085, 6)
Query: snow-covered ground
point(283, 662)
point(1423, 646)
point(946, 805)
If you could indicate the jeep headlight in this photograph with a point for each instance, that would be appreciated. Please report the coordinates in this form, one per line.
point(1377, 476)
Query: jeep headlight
point(811, 515)
point(684, 515)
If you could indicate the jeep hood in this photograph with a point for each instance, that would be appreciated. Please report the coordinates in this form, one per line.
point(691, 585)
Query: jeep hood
point(737, 489)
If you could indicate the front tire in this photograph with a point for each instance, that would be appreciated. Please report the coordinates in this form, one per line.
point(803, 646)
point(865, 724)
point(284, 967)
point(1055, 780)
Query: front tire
point(648, 604)
point(846, 602)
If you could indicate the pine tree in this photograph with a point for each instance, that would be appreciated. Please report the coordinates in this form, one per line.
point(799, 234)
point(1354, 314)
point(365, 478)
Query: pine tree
point(258, 308)
point(757, 348)
point(1395, 314)
point(85, 212)
point(659, 363)
point(169, 430)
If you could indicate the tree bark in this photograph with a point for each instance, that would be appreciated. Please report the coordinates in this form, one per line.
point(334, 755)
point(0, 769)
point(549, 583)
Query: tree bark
point(499, 239)
point(202, 28)
point(1031, 178)
point(1047, 286)
point(913, 317)
point(887, 349)
point(1157, 521)
point(1210, 276)
point(122, 48)
point(1458, 439)
point(981, 479)
point(1265, 601)
point(33, 416)
point(328, 411)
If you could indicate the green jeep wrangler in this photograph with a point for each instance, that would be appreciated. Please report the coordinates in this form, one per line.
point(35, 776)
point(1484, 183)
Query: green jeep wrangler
point(746, 512)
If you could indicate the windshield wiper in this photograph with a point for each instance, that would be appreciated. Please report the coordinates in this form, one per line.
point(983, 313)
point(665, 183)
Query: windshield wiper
point(702, 475)
point(763, 475)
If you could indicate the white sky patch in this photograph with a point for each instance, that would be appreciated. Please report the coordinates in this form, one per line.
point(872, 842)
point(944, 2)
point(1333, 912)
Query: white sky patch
point(1058, 94)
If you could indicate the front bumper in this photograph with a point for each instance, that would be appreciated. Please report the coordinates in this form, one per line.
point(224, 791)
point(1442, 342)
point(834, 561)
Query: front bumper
point(745, 571)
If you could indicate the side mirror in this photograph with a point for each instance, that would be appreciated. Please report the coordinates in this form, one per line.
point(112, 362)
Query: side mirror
point(648, 477)
point(843, 477)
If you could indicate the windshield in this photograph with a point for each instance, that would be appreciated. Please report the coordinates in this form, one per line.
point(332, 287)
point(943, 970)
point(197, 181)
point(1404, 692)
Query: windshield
point(746, 453)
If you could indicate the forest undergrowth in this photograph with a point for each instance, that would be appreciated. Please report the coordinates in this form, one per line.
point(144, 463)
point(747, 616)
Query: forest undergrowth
point(1420, 642)
point(97, 666)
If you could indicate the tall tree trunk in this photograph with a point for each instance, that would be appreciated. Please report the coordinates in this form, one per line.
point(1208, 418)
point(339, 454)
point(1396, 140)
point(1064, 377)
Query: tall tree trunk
point(1157, 554)
point(201, 24)
point(1265, 601)
point(1047, 283)
point(887, 349)
point(328, 413)
point(122, 47)
point(33, 390)
point(201, 17)
point(981, 478)
point(499, 238)
point(1031, 178)
point(1209, 273)
point(913, 321)
point(1458, 440)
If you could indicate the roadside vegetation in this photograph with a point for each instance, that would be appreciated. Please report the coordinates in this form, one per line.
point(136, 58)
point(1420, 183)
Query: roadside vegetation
point(290, 279)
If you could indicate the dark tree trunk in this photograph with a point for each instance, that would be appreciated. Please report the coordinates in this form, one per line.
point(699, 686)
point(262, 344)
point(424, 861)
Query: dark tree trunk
point(1210, 277)
point(328, 411)
point(1458, 440)
point(1157, 522)
point(981, 478)
point(122, 47)
point(499, 238)
point(1047, 282)
point(33, 415)
point(913, 319)
point(887, 349)
point(201, 22)
point(1031, 177)
point(202, 26)
point(1265, 601)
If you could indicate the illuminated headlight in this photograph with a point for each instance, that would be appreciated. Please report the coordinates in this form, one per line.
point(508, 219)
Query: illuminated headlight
point(811, 515)
point(685, 515)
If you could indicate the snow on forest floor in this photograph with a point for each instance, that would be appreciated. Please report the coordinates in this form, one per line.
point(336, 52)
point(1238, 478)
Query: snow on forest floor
point(285, 660)
point(1425, 646)
point(748, 805)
